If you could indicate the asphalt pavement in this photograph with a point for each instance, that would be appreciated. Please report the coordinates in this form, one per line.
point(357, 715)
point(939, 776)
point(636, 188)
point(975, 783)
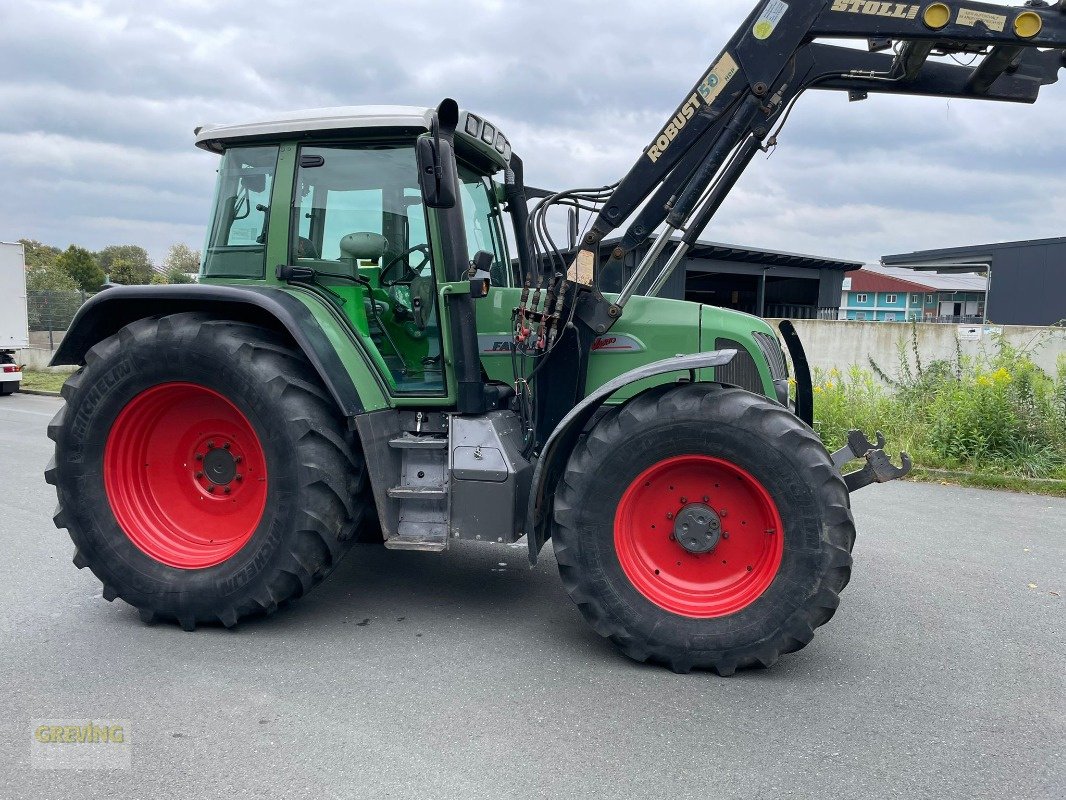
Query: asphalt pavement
point(469, 675)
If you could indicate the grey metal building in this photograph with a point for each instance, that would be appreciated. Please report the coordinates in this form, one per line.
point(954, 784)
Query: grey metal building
point(766, 283)
point(1027, 280)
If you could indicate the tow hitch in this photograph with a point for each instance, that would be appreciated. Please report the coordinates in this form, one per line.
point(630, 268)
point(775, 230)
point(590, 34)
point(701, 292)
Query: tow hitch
point(879, 468)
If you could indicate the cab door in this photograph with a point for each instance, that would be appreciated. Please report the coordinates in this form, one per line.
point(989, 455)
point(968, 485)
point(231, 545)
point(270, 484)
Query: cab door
point(357, 214)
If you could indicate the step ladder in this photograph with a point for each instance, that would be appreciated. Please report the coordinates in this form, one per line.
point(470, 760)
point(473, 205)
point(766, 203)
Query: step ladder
point(422, 493)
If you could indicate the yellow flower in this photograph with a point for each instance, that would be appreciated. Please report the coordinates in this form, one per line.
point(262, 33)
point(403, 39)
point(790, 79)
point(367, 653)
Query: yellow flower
point(829, 384)
point(1001, 375)
point(817, 389)
point(984, 380)
point(834, 372)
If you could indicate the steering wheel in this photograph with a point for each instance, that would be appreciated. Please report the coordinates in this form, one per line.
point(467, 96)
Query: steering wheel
point(409, 273)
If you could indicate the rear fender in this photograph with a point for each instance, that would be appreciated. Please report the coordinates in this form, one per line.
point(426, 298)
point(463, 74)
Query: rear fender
point(556, 451)
point(332, 354)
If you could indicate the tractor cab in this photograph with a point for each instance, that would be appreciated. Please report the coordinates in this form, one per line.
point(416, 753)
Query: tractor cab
point(333, 197)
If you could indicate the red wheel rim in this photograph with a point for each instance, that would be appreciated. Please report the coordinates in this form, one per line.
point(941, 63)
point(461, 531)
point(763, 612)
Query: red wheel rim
point(185, 475)
point(742, 562)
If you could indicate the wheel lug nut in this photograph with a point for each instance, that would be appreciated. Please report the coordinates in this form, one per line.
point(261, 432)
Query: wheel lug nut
point(211, 489)
point(199, 456)
point(723, 513)
point(684, 500)
point(199, 474)
point(238, 477)
point(238, 459)
point(225, 446)
point(210, 445)
point(226, 490)
point(706, 498)
point(669, 515)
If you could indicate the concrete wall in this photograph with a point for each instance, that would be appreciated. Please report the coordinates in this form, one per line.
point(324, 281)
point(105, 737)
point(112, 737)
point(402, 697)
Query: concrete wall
point(840, 344)
point(34, 357)
point(830, 343)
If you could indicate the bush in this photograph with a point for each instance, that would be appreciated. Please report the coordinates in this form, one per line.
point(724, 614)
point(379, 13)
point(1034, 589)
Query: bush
point(996, 414)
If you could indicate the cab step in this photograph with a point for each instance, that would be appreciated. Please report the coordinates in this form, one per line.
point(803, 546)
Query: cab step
point(422, 492)
point(432, 543)
point(417, 493)
point(409, 442)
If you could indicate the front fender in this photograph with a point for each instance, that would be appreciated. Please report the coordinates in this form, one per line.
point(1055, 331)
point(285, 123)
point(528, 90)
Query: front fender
point(557, 449)
point(333, 354)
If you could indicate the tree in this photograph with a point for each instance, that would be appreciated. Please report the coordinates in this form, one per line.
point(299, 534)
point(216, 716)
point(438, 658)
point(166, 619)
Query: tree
point(38, 254)
point(183, 259)
point(82, 267)
point(129, 273)
point(49, 278)
point(127, 264)
point(178, 276)
point(52, 297)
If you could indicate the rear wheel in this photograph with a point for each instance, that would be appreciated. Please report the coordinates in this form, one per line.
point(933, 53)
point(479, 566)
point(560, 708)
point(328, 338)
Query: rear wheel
point(202, 470)
point(703, 526)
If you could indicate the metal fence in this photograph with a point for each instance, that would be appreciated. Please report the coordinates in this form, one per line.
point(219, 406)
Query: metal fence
point(50, 314)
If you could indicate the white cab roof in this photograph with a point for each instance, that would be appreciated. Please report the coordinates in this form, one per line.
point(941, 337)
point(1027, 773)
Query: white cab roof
point(317, 119)
point(473, 129)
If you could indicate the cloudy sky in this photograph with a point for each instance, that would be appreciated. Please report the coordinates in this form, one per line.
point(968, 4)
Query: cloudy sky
point(98, 100)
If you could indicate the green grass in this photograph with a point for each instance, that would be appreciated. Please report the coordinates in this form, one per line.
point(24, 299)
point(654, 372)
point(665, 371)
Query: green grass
point(994, 421)
point(43, 381)
point(978, 480)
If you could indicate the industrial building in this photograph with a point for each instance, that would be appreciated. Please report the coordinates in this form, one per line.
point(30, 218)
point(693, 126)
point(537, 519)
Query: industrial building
point(1026, 281)
point(766, 283)
point(893, 294)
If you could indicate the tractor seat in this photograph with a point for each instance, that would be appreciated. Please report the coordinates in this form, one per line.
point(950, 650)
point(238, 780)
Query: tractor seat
point(356, 247)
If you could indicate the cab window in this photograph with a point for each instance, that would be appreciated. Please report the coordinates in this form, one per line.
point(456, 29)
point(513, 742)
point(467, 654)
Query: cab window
point(236, 242)
point(481, 213)
point(357, 211)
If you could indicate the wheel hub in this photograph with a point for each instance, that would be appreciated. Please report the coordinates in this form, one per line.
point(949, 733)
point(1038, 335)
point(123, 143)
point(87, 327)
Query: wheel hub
point(220, 467)
point(697, 528)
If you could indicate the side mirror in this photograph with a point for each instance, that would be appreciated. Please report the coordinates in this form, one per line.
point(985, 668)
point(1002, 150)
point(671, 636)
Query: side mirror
point(480, 274)
point(438, 176)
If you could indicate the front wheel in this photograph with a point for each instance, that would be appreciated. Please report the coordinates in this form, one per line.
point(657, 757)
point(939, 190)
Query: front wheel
point(202, 470)
point(703, 527)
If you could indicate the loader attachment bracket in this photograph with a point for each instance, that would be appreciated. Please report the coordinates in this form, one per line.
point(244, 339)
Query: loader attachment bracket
point(878, 468)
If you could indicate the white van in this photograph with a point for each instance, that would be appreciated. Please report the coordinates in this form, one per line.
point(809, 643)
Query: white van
point(14, 321)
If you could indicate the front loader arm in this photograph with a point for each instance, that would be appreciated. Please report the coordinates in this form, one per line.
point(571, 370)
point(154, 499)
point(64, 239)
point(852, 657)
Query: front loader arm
point(774, 57)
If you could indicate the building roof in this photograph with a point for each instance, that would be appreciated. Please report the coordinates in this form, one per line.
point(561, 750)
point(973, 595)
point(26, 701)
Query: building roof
point(950, 258)
point(751, 255)
point(876, 278)
point(867, 280)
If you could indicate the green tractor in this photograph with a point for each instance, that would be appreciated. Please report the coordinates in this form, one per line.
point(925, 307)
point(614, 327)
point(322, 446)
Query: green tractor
point(370, 355)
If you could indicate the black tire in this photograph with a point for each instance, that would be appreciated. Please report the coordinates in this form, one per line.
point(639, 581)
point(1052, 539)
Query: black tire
point(738, 427)
point(316, 496)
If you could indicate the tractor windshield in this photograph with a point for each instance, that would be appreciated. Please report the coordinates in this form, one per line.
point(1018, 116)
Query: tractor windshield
point(236, 243)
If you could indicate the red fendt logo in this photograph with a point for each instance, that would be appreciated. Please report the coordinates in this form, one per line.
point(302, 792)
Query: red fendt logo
point(617, 344)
